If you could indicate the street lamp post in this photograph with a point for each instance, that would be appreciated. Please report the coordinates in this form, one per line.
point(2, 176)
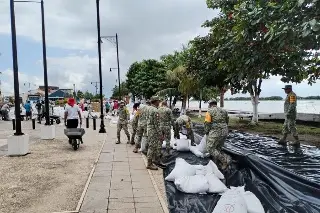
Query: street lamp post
point(15, 70)
point(102, 127)
point(118, 81)
point(44, 58)
point(96, 85)
point(116, 42)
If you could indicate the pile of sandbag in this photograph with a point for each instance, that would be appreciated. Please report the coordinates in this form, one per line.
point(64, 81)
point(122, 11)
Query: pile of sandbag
point(201, 179)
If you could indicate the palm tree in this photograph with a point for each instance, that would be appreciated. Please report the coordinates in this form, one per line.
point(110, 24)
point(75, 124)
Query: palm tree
point(179, 80)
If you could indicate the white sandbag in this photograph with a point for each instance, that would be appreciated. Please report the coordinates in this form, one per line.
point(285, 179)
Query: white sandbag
point(215, 184)
point(231, 201)
point(181, 169)
point(202, 146)
point(196, 152)
point(182, 136)
point(253, 203)
point(213, 168)
point(143, 144)
point(192, 184)
point(131, 117)
point(182, 145)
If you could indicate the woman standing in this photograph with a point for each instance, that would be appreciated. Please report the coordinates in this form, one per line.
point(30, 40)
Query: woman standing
point(72, 114)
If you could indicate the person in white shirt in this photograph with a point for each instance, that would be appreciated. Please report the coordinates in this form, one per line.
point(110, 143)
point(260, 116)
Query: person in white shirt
point(72, 114)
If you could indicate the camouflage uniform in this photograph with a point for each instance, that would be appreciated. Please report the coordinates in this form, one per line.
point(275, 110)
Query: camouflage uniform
point(142, 126)
point(216, 129)
point(166, 121)
point(134, 125)
point(183, 121)
point(123, 122)
point(290, 113)
point(154, 135)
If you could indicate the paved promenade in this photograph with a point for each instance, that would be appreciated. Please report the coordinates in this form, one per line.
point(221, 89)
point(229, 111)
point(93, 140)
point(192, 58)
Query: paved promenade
point(120, 182)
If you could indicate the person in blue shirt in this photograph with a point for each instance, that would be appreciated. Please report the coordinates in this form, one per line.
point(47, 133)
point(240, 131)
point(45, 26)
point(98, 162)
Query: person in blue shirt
point(28, 108)
point(107, 107)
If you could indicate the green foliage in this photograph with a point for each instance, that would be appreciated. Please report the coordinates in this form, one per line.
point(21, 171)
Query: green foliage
point(88, 95)
point(80, 94)
point(146, 78)
point(123, 91)
point(208, 93)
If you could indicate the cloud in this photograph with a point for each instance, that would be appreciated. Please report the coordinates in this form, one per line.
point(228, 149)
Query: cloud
point(146, 29)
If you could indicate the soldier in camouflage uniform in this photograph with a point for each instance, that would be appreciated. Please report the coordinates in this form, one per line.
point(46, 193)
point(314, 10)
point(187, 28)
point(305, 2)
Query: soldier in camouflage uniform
point(124, 116)
point(184, 121)
point(290, 113)
point(154, 134)
point(142, 125)
point(166, 122)
point(216, 129)
point(134, 123)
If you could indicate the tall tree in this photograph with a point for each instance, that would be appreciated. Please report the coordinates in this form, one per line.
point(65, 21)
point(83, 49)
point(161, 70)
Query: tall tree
point(124, 90)
point(245, 53)
point(146, 78)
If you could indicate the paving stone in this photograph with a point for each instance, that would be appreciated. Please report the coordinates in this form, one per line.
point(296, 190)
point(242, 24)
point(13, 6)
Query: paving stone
point(121, 185)
point(145, 192)
point(140, 177)
point(121, 168)
point(155, 205)
point(95, 200)
point(139, 172)
point(123, 199)
point(101, 173)
point(120, 205)
point(121, 163)
point(95, 211)
point(120, 193)
point(100, 183)
point(149, 199)
point(119, 178)
point(106, 158)
point(103, 167)
point(120, 172)
point(149, 210)
point(141, 185)
point(122, 211)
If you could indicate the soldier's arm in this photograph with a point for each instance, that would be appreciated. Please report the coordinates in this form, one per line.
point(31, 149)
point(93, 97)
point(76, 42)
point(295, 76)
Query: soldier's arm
point(207, 123)
point(292, 104)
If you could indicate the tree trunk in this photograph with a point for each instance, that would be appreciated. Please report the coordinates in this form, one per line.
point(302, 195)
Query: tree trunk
point(188, 102)
point(222, 93)
point(255, 102)
point(170, 101)
point(184, 105)
point(255, 90)
point(200, 104)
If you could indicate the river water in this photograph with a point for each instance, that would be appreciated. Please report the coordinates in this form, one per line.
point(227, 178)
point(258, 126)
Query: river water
point(303, 106)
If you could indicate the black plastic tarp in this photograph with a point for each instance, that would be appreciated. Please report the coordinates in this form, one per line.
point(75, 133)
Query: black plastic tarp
point(278, 188)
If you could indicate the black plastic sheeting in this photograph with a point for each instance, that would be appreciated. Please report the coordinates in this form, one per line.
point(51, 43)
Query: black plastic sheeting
point(278, 188)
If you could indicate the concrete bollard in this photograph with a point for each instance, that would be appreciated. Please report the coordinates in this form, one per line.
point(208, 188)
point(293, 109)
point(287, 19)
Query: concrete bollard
point(94, 124)
point(33, 123)
point(87, 122)
point(14, 124)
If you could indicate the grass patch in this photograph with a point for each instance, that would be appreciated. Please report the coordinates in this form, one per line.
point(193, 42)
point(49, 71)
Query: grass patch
point(263, 127)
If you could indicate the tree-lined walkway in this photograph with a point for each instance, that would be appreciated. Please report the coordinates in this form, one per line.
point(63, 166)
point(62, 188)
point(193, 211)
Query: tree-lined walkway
point(120, 182)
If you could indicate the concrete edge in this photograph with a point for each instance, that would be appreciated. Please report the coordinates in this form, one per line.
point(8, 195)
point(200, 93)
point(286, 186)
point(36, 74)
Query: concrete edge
point(162, 202)
point(90, 176)
point(88, 181)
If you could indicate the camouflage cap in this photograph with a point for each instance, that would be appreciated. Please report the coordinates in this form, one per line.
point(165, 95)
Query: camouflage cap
point(212, 101)
point(155, 98)
point(287, 87)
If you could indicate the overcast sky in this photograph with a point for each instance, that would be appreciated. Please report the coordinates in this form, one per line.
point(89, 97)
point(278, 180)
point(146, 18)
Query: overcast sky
point(146, 29)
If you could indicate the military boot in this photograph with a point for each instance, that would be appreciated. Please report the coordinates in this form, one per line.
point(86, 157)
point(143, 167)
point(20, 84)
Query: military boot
point(151, 166)
point(118, 141)
point(135, 150)
point(282, 141)
point(132, 141)
point(296, 141)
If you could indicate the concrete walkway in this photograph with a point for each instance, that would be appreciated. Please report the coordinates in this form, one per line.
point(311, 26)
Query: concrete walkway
point(120, 182)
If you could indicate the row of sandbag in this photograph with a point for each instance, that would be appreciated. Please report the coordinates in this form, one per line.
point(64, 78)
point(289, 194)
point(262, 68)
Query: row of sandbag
point(199, 179)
